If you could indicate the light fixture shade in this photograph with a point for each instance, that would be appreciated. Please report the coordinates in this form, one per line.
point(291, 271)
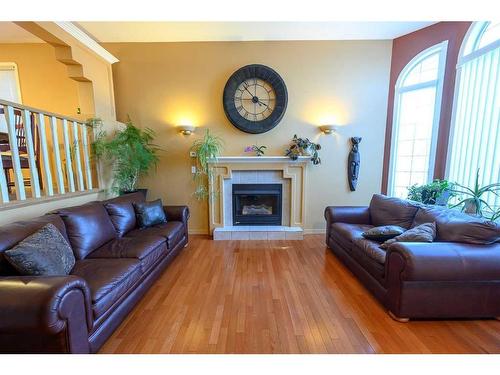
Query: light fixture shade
point(186, 129)
point(327, 129)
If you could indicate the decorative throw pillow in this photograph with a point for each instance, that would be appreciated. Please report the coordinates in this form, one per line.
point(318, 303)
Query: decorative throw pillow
point(44, 253)
point(150, 213)
point(383, 233)
point(423, 233)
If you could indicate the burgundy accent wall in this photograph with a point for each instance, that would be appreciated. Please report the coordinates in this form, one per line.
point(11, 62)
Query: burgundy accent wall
point(406, 48)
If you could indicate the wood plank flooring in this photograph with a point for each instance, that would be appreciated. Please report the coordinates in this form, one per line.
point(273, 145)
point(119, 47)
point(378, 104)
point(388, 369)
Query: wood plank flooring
point(278, 297)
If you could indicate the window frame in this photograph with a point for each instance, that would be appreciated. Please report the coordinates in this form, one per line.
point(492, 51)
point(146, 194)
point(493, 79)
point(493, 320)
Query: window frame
point(476, 30)
point(442, 49)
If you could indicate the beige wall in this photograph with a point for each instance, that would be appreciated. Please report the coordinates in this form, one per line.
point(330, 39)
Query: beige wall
point(44, 81)
point(162, 85)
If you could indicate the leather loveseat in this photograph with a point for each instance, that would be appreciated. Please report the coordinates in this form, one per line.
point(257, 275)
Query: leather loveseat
point(116, 263)
point(457, 276)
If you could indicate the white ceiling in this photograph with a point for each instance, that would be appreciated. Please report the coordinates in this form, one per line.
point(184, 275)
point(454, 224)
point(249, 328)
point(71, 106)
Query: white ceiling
point(11, 33)
point(245, 31)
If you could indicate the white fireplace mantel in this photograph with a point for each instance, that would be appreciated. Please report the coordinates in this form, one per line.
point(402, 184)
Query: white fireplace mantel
point(259, 159)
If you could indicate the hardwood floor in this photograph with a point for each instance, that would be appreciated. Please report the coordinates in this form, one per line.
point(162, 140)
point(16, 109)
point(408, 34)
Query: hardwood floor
point(278, 297)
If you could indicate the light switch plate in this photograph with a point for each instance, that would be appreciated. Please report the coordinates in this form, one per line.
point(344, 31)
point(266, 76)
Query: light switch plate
point(193, 169)
point(192, 154)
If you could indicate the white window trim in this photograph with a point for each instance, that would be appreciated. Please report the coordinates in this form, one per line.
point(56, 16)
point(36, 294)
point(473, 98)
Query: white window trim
point(398, 90)
point(462, 59)
point(13, 66)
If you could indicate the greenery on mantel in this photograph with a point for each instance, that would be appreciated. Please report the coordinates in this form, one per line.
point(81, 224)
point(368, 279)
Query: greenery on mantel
point(206, 149)
point(129, 150)
point(303, 147)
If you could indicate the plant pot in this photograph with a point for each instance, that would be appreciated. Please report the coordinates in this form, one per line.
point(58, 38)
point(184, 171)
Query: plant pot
point(442, 200)
point(143, 191)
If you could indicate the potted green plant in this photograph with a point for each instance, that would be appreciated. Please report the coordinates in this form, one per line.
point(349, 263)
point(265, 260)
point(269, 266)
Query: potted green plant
point(259, 150)
point(303, 147)
point(206, 149)
point(471, 200)
point(495, 216)
point(438, 192)
point(129, 150)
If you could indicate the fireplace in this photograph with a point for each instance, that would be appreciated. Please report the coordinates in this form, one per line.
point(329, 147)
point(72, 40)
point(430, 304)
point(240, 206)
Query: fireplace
point(257, 204)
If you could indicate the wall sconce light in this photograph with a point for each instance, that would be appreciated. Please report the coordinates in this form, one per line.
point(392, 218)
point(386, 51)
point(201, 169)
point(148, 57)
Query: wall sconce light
point(186, 129)
point(327, 129)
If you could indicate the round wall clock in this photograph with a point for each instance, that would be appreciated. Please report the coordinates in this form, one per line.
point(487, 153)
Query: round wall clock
point(255, 98)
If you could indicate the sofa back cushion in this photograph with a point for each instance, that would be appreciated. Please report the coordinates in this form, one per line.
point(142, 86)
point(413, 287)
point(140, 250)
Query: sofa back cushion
point(455, 226)
point(392, 211)
point(88, 227)
point(12, 234)
point(121, 211)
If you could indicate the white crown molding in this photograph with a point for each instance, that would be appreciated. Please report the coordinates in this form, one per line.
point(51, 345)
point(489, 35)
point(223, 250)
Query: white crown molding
point(87, 41)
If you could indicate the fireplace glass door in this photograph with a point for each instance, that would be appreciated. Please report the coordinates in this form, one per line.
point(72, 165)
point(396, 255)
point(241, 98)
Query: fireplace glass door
point(257, 204)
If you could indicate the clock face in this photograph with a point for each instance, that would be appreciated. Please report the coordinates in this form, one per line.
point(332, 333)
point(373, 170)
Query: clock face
point(255, 98)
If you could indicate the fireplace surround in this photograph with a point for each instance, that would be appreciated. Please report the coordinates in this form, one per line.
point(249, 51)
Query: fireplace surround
point(229, 171)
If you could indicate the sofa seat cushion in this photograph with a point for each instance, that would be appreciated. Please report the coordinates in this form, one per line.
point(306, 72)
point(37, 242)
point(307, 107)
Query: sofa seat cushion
point(108, 280)
point(148, 249)
point(172, 231)
point(371, 249)
point(88, 227)
point(346, 233)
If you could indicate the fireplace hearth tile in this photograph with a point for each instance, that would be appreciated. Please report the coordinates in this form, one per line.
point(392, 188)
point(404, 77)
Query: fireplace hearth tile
point(240, 235)
point(258, 235)
point(276, 235)
point(294, 235)
point(272, 232)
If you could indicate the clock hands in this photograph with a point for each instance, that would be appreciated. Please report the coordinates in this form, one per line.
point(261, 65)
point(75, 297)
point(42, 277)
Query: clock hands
point(246, 88)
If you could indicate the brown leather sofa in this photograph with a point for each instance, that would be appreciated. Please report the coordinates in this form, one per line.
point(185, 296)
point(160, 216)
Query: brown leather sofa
point(116, 263)
point(457, 276)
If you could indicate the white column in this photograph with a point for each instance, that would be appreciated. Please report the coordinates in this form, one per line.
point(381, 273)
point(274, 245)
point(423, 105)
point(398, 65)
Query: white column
point(78, 161)
point(67, 153)
point(47, 175)
point(30, 148)
point(16, 163)
point(86, 157)
point(57, 155)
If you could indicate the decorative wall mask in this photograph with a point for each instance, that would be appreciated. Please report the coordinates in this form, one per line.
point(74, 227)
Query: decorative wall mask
point(353, 163)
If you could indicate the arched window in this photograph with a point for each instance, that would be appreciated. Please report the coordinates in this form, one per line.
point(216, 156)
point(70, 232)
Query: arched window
point(475, 132)
point(417, 105)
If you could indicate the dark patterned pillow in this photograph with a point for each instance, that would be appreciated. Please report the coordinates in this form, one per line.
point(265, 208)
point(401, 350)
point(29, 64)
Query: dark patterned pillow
point(423, 233)
point(150, 213)
point(383, 233)
point(44, 253)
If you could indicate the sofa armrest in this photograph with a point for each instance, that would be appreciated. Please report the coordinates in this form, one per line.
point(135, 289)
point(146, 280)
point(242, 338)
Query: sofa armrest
point(177, 213)
point(443, 261)
point(57, 308)
point(347, 214)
